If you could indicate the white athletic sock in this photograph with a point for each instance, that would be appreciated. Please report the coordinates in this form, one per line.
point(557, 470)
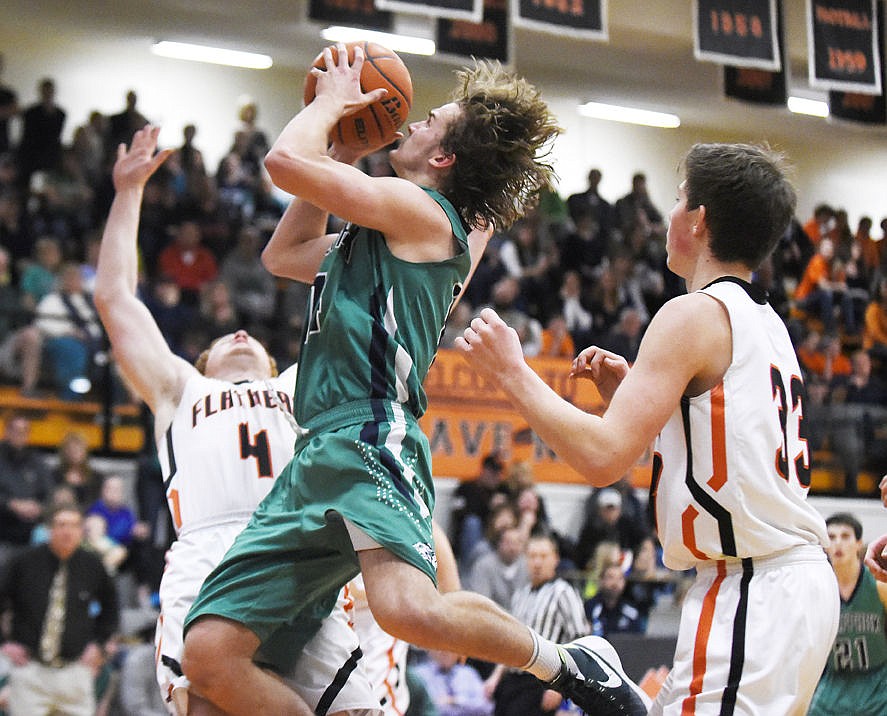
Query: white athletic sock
point(545, 663)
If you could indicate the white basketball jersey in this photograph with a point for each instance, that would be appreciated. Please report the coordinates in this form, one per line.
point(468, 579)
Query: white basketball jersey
point(226, 444)
point(731, 469)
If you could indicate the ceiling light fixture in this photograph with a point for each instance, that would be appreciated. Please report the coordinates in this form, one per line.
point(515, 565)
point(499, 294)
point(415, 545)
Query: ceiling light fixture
point(214, 55)
point(398, 43)
point(813, 107)
point(615, 113)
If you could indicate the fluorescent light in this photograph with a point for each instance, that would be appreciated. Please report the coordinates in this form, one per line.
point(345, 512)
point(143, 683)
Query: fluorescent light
point(615, 113)
point(214, 55)
point(398, 43)
point(813, 107)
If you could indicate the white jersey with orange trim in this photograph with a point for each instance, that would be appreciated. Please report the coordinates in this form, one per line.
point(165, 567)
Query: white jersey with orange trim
point(732, 466)
point(226, 444)
point(220, 456)
point(385, 658)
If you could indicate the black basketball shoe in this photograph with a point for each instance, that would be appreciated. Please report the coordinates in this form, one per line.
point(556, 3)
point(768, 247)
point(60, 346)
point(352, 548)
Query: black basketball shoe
point(601, 688)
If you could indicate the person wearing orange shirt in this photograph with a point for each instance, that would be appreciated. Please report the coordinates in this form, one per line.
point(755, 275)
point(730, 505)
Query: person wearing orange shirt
point(874, 336)
point(820, 290)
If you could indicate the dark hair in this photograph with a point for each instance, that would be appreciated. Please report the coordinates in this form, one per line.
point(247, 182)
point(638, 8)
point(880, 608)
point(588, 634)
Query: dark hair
point(748, 200)
point(501, 141)
point(847, 520)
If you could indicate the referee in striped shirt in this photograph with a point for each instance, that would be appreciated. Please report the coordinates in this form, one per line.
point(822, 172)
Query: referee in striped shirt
point(551, 606)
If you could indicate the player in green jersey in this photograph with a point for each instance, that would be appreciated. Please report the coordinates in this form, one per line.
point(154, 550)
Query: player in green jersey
point(358, 494)
point(856, 672)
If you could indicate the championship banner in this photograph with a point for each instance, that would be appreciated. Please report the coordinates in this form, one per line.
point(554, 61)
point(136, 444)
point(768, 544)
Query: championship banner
point(487, 39)
point(865, 108)
point(471, 10)
point(583, 19)
point(741, 33)
point(354, 13)
point(842, 46)
point(751, 84)
point(468, 418)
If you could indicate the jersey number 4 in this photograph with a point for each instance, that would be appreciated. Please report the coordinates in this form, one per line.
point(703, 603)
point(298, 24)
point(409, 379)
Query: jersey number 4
point(250, 446)
point(794, 435)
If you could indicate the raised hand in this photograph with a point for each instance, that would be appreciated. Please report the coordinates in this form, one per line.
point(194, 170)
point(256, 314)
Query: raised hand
point(135, 165)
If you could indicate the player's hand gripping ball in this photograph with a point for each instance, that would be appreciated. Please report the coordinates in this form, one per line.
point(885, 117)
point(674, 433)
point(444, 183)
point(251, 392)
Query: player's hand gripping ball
point(376, 124)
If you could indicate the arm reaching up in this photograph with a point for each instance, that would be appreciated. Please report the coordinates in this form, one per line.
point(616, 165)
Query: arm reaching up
point(139, 348)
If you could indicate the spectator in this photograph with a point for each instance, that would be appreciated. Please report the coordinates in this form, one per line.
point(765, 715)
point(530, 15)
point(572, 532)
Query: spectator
point(473, 501)
point(74, 469)
point(556, 339)
point(648, 579)
point(821, 225)
point(578, 317)
point(15, 232)
point(820, 292)
point(551, 606)
point(610, 611)
point(71, 333)
point(507, 301)
point(499, 574)
point(194, 185)
point(96, 539)
point(500, 518)
point(455, 688)
point(187, 262)
point(88, 146)
point(173, 317)
point(858, 409)
point(855, 674)
point(40, 146)
point(625, 337)
point(40, 276)
point(822, 356)
point(218, 315)
point(8, 109)
point(252, 288)
point(608, 524)
point(62, 610)
point(533, 263)
point(25, 484)
point(20, 344)
point(124, 124)
point(589, 204)
point(874, 337)
point(637, 206)
point(123, 526)
point(65, 203)
point(585, 248)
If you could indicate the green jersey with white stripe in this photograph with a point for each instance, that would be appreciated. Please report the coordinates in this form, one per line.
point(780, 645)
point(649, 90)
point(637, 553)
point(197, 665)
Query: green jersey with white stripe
point(374, 321)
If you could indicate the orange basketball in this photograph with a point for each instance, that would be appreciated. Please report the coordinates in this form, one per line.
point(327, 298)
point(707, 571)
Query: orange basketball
point(375, 124)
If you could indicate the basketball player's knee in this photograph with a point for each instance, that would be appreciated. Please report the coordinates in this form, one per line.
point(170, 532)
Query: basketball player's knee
point(200, 658)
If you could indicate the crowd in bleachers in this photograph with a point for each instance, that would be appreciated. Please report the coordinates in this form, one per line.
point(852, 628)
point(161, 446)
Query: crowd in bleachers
point(578, 270)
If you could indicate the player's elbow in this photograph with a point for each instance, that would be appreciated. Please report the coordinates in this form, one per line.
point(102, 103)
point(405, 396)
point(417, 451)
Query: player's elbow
point(272, 259)
point(283, 166)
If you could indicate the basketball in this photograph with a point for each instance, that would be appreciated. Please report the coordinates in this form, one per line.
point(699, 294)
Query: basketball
point(377, 123)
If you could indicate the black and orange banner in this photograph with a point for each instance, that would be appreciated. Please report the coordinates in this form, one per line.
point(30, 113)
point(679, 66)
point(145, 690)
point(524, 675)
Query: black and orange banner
point(741, 33)
point(864, 108)
point(487, 39)
point(842, 44)
point(468, 418)
point(471, 10)
point(584, 19)
point(359, 13)
point(751, 84)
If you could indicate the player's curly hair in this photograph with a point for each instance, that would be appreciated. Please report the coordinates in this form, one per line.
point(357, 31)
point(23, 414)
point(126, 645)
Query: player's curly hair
point(502, 143)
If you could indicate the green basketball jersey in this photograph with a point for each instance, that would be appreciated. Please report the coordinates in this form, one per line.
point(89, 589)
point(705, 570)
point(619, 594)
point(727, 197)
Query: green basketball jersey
point(374, 321)
point(856, 672)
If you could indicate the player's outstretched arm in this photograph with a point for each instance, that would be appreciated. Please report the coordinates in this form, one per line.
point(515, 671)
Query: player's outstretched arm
point(139, 348)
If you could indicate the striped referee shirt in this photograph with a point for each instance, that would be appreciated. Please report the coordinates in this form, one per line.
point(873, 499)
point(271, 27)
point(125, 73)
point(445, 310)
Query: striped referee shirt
point(554, 610)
